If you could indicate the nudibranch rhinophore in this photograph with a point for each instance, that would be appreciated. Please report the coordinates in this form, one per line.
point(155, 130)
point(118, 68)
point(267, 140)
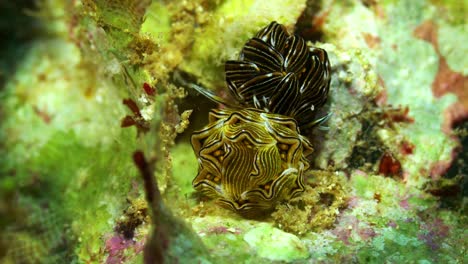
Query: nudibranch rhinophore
point(252, 154)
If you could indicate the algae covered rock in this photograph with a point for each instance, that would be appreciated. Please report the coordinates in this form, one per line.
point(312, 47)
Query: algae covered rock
point(273, 244)
point(84, 84)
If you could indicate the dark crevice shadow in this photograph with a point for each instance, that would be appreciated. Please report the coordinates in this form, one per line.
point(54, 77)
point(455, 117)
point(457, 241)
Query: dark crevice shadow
point(18, 29)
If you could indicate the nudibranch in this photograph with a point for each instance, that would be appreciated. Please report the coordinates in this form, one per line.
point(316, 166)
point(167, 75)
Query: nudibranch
point(252, 154)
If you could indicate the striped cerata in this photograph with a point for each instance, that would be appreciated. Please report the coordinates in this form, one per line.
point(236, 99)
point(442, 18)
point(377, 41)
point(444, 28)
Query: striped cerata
point(251, 154)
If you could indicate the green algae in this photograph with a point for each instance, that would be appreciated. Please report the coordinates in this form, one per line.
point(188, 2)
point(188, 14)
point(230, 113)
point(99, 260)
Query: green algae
point(220, 234)
point(184, 168)
point(395, 201)
point(274, 244)
point(60, 151)
point(448, 36)
point(317, 208)
point(395, 245)
point(157, 22)
point(454, 12)
point(71, 191)
point(233, 239)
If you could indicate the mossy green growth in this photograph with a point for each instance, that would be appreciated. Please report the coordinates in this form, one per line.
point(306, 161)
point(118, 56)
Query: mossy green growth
point(157, 22)
point(233, 239)
point(122, 20)
point(223, 234)
point(449, 36)
point(395, 245)
point(453, 12)
point(381, 199)
point(414, 240)
point(184, 167)
point(64, 150)
point(82, 194)
point(315, 209)
point(97, 180)
point(274, 244)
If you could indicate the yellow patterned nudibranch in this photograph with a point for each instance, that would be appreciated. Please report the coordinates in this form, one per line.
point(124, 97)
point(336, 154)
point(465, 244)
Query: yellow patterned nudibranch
point(250, 159)
point(252, 154)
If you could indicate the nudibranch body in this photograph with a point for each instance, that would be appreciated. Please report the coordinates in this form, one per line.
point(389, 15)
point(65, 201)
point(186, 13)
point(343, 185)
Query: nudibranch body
point(250, 159)
point(252, 154)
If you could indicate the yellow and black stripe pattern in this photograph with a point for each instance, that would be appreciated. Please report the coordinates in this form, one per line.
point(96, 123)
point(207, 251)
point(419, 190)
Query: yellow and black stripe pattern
point(250, 159)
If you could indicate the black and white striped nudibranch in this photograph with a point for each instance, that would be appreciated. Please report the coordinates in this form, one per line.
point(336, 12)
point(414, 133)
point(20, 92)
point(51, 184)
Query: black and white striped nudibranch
point(252, 154)
point(279, 73)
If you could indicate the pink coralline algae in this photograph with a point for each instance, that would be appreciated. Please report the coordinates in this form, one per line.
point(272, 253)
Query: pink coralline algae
point(350, 223)
point(433, 233)
point(392, 224)
point(223, 230)
point(116, 246)
point(404, 204)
